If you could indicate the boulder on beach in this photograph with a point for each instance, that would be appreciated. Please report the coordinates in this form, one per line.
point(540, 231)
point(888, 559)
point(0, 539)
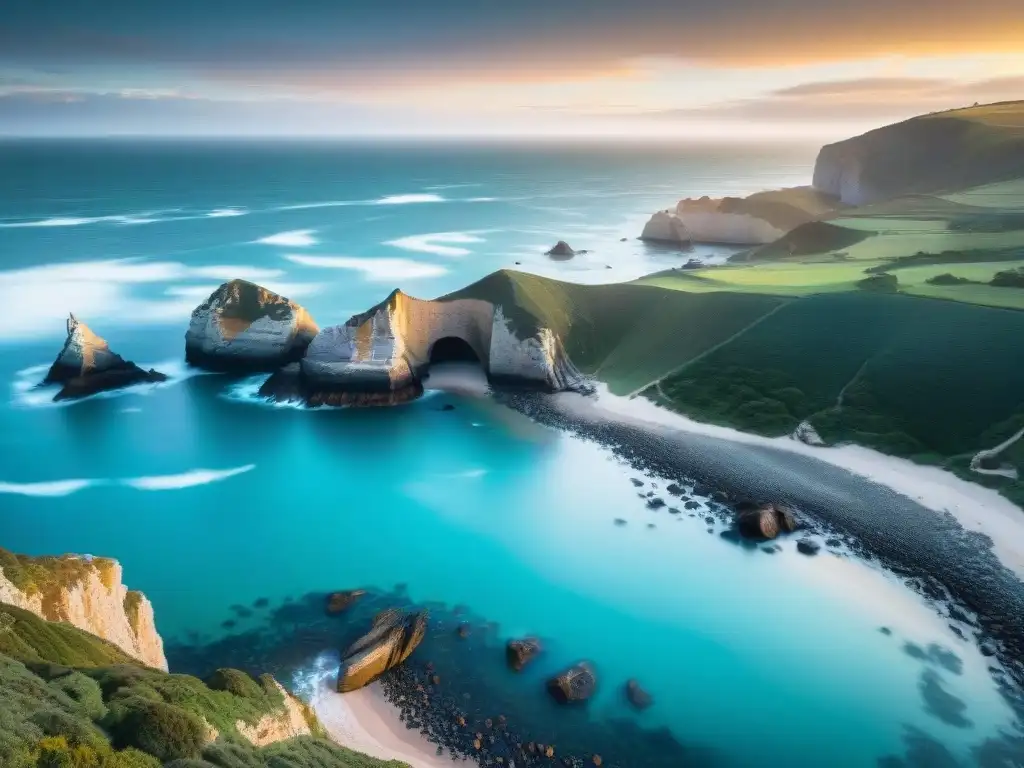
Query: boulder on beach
point(393, 636)
point(561, 250)
point(243, 327)
point(575, 684)
point(808, 547)
point(337, 602)
point(637, 696)
point(86, 365)
point(521, 652)
point(764, 521)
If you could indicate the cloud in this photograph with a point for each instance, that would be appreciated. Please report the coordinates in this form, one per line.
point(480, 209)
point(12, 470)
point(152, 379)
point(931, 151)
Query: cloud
point(375, 270)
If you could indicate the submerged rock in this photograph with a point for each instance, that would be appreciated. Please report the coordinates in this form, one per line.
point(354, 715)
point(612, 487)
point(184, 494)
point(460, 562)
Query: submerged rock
point(519, 653)
point(338, 602)
point(808, 547)
point(389, 642)
point(243, 327)
point(577, 683)
point(86, 365)
point(561, 250)
point(637, 696)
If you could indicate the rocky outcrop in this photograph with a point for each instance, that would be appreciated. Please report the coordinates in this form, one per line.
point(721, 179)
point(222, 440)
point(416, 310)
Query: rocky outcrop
point(393, 636)
point(87, 593)
point(637, 696)
point(381, 356)
point(666, 227)
point(86, 366)
point(576, 684)
point(290, 721)
point(519, 653)
point(338, 602)
point(726, 221)
point(932, 153)
point(243, 327)
point(561, 250)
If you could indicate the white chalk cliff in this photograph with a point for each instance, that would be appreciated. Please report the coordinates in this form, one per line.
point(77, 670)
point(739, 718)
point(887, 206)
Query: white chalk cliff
point(89, 594)
point(288, 722)
point(389, 347)
point(707, 222)
point(666, 227)
point(245, 326)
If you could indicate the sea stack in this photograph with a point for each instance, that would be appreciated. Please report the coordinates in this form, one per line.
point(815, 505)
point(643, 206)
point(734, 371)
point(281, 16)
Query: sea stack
point(393, 636)
point(666, 227)
point(244, 328)
point(86, 365)
point(561, 250)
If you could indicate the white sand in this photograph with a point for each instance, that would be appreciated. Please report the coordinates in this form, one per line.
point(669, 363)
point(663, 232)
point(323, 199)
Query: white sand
point(975, 507)
point(364, 721)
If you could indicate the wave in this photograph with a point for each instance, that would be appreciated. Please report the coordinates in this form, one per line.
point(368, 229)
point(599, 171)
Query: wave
point(145, 217)
point(436, 243)
point(220, 213)
point(188, 479)
point(296, 238)
point(52, 488)
point(411, 198)
point(60, 221)
point(376, 270)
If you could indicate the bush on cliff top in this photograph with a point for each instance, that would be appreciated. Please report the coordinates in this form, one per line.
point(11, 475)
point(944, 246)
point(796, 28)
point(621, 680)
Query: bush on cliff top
point(234, 681)
point(162, 730)
point(28, 638)
point(51, 576)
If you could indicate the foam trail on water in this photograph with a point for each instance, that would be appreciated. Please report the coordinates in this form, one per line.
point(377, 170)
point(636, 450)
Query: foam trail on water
point(47, 489)
point(411, 198)
point(188, 479)
point(376, 270)
point(439, 243)
point(220, 213)
point(296, 238)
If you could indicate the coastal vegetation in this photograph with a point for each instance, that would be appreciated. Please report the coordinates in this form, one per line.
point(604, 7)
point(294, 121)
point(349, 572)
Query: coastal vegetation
point(70, 699)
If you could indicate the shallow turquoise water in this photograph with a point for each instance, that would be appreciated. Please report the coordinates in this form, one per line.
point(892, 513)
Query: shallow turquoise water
point(210, 499)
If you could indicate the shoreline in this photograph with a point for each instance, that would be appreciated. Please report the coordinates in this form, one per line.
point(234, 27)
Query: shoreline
point(365, 722)
point(974, 506)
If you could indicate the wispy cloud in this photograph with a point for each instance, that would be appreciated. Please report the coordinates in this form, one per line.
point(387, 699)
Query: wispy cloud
point(376, 270)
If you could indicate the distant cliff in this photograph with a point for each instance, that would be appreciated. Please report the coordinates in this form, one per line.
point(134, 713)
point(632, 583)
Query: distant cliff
point(932, 153)
point(87, 593)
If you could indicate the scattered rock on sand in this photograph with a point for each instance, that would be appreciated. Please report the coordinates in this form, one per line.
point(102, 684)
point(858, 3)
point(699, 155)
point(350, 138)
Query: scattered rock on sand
point(764, 521)
point(637, 696)
point(86, 366)
point(521, 652)
point(808, 547)
point(577, 683)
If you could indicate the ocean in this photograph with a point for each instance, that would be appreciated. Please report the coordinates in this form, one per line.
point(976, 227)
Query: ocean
point(236, 517)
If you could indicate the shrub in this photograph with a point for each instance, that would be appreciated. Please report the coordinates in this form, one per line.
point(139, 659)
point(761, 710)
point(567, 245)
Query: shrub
point(54, 722)
point(234, 681)
point(882, 283)
point(162, 730)
point(84, 691)
point(1011, 278)
point(947, 278)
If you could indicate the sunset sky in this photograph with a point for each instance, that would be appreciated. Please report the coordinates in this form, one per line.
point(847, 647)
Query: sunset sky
point(643, 68)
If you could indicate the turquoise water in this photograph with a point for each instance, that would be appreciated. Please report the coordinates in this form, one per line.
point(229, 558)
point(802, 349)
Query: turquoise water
point(211, 499)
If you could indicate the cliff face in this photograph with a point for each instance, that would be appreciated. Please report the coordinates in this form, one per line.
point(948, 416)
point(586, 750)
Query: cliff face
point(666, 227)
point(292, 720)
point(245, 327)
point(87, 593)
point(932, 153)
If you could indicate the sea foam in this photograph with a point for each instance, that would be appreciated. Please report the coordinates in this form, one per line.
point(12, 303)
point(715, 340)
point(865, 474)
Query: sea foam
point(296, 238)
point(439, 243)
point(185, 479)
point(375, 270)
point(49, 489)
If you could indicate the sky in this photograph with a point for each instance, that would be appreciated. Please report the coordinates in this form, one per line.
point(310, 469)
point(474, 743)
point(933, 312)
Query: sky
point(714, 69)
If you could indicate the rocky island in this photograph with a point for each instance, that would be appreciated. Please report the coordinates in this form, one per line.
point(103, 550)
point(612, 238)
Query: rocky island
point(87, 366)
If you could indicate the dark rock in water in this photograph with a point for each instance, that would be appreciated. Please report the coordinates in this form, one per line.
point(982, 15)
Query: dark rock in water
point(637, 482)
point(577, 683)
point(885, 631)
point(637, 696)
point(343, 600)
point(86, 366)
point(447, 407)
point(519, 263)
point(655, 503)
point(561, 250)
point(260, 602)
point(463, 630)
point(673, 510)
point(651, 525)
point(393, 636)
point(519, 653)
point(674, 489)
point(700, 489)
point(619, 521)
point(833, 542)
point(623, 239)
point(692, 505)
point(987, 648)
point(787, 521)
point(693, 264)
point(758, 523)
point(808, 547)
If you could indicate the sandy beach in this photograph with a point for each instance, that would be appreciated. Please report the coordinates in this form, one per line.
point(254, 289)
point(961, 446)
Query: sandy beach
point(975, 507)
point(364, 721)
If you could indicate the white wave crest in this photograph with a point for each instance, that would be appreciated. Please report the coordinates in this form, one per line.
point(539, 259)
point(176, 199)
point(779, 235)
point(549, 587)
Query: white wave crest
point(296, 238)
point(376, 270)
point(185, 479)
point(220, 213)
point(47, 489)
point(407, 199)
point(439, 243)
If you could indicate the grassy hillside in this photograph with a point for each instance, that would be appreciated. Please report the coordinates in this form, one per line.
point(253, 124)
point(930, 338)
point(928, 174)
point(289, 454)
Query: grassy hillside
point(628, 335)
point(69, 699)
point(942, 152)
point(931, 380)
